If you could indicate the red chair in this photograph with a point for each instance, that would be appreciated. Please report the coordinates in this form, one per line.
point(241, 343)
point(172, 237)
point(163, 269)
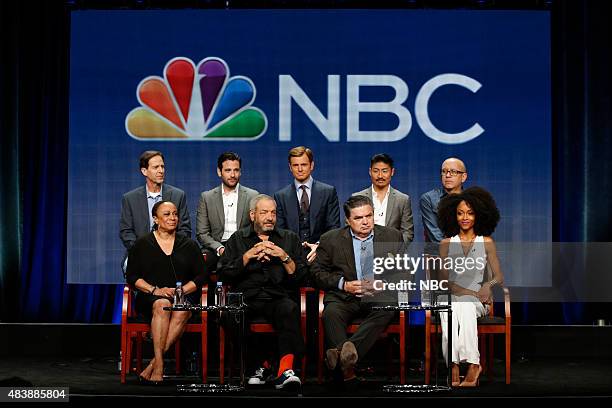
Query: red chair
point(134, 327)
point(487, 327)
point(262, 326)
point(393, 328)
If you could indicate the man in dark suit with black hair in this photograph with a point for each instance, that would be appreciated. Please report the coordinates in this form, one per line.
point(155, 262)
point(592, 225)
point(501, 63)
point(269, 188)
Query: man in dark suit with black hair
point(307, 207)
point(344, 270)
point(136, 219)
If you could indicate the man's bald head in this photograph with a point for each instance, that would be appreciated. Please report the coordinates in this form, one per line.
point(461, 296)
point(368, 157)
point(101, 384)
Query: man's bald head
point(453, 173)
point(455, 163)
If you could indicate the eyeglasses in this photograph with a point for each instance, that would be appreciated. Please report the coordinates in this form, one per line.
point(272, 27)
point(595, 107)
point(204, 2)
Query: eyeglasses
point(452, 172)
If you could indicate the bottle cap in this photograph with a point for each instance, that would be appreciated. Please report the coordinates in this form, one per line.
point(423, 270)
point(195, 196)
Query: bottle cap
point(179, 283)
point(219, 283)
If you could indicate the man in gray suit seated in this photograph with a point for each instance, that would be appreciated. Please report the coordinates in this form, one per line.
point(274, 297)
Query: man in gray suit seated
point(223, 210)
point(136, 219)
point(392, 208)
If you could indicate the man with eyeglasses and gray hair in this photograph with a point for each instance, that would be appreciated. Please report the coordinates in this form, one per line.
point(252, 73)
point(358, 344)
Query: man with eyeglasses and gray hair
point(453, 174)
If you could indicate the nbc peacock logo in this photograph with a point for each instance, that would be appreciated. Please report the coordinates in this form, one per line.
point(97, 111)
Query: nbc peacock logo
point(196, 103)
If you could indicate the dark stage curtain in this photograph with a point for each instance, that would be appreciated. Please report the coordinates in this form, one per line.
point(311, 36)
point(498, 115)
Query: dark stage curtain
point(35, 65)
point(34, 41)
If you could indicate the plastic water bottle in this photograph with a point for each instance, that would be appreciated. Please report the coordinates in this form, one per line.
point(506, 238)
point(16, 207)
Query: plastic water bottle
point(178, 294)
point(402, 298)
point(220, 294)
point(426, 297)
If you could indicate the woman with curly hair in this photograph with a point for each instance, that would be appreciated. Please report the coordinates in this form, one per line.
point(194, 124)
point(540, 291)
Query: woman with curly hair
point(468, 219)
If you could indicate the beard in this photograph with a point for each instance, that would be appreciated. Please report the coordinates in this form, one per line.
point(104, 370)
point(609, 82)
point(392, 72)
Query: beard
point(262, 228)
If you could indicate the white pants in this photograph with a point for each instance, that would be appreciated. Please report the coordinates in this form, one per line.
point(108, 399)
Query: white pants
point(466, 309)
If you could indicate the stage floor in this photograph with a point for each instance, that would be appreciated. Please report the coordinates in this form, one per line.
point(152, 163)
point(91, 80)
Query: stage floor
point(99, 377)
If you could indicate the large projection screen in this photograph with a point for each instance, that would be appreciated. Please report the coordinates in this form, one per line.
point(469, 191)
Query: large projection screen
point(421, 85)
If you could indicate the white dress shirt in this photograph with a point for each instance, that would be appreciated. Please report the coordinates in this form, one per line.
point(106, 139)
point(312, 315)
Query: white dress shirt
point(380, 208)
point(230, 210)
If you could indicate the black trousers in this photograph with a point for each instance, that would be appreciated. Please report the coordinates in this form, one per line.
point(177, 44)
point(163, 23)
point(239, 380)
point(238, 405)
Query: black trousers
point(337, 315)
point(284, 314)
point(211, 260)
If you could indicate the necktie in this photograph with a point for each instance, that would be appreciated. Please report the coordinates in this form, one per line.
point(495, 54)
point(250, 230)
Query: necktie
point(367, 263)
point(304, 203)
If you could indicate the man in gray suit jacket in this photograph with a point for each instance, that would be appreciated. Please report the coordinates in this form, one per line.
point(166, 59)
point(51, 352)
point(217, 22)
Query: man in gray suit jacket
point(223, 210)
point(136, 205)
point(392, 208)
point(344, 270)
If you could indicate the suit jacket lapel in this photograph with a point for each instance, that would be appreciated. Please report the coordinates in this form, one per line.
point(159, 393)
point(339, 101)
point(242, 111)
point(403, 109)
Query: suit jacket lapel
point(242, 196)
point(390, 206)
point(347, 247)
point(293, 218)
point(315, 205)
point(367, 192)
point(218, 200)
point(144, 208)
point(166, 193)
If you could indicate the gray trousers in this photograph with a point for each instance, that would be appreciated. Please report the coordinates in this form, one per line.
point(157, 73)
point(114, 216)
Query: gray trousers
point(338, 315)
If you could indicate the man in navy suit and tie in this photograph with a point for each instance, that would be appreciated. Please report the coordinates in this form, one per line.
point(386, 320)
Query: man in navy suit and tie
point(307, 207)
point(136, 219)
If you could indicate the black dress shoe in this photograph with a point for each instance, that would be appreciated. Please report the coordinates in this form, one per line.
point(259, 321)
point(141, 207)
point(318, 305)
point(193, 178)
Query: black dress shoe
point(348, 356)
point(331, 358)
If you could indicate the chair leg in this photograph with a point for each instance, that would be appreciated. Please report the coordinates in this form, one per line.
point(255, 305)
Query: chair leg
point(303, 368)
point(402, 349)
point(128, 357)
point(490, 356)
point(508, 355)
point(482, 348)
point(427, 354)
point(434, 354)
point(139, 352)
point(124, 342)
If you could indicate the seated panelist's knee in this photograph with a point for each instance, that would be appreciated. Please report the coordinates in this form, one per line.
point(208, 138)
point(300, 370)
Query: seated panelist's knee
point(330, 312)
point(158, 307)
point(289, 309)
point(181, 316)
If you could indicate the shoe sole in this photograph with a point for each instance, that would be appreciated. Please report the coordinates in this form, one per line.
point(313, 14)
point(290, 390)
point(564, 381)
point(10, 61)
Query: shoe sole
point(348, 355)
point(290, 384)
point(331, 358)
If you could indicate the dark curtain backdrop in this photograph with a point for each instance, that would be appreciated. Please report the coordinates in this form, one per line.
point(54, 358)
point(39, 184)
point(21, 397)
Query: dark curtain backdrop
point(34, 64)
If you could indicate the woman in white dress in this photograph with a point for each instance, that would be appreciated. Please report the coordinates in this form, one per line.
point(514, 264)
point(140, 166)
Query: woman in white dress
point(468, 219)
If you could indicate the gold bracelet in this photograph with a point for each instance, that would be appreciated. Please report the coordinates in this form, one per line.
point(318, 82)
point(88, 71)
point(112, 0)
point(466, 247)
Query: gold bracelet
point(492, 282)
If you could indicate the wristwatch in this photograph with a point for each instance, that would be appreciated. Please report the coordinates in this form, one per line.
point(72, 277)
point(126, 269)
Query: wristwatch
point(287, 259)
